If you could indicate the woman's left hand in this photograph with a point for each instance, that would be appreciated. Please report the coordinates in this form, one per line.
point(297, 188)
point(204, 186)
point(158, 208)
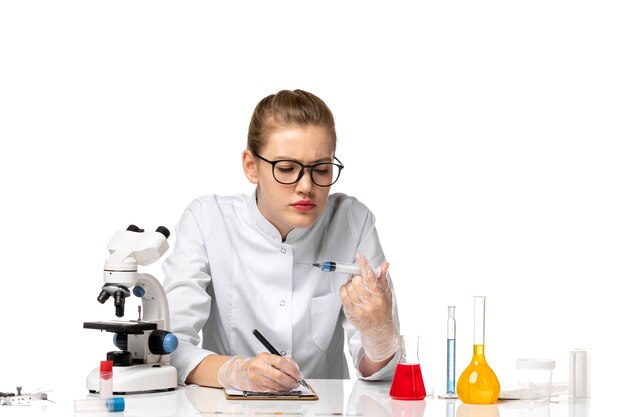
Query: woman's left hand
point(367, 303)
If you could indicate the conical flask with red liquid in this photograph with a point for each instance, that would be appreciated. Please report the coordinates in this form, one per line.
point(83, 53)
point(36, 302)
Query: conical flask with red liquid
point(408, 383)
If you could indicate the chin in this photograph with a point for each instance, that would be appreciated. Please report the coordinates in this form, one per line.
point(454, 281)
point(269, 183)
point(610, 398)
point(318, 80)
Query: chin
point(304, 221)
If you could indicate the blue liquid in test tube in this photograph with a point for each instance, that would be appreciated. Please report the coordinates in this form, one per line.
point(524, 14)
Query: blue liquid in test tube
point(451, 351)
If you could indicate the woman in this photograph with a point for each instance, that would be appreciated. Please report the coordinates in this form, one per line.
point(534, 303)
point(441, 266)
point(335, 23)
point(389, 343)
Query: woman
point(243, 262)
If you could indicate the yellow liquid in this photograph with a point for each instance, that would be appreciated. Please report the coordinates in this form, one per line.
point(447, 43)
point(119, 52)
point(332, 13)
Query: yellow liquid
point(478, 384)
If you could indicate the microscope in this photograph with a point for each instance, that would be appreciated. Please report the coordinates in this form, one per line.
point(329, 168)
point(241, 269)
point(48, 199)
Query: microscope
point(142, 363)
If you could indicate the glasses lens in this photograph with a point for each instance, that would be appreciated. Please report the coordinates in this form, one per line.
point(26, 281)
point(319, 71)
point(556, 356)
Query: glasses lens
point(325, 174)
point(286, 171)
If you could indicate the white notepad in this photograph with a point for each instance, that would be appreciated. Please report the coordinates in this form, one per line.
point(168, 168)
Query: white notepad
point(299, 393)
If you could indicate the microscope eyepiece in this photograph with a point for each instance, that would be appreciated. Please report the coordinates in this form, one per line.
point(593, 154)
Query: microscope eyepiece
point(133, 228)
point(163, 230)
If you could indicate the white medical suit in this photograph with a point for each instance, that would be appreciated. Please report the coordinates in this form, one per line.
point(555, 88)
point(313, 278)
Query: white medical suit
point(230, 272)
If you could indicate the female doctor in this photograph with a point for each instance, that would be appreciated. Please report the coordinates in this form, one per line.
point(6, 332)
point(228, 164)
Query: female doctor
point(240, 263)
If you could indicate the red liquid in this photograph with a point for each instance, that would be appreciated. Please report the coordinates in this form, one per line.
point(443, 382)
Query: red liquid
point(408, 383)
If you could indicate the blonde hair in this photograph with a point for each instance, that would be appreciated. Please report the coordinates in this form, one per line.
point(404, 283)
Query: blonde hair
point(287, 108)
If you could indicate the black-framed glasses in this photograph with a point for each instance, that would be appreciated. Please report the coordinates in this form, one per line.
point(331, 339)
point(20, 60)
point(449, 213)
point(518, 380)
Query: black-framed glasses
point(287, 172)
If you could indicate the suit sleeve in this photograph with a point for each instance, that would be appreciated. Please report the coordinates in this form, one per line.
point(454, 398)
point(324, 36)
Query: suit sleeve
point(362, 224)
point(186, 279)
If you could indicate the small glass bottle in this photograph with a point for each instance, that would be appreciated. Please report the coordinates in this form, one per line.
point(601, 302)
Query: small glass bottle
point(106, 379)
point(478, 384)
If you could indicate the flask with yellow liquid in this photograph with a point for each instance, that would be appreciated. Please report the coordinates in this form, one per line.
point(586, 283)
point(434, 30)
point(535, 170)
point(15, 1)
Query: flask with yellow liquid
point(478, 384)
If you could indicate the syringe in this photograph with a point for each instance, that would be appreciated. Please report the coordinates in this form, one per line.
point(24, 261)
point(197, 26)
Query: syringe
point(341, 267)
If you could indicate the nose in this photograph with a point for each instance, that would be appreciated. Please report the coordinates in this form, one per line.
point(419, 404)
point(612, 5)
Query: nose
point(305, 183)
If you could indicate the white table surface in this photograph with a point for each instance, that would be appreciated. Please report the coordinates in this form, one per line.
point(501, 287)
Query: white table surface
point(337, 398)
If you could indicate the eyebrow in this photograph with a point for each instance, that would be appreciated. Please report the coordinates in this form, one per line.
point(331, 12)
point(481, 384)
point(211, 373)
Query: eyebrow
point(288, 158)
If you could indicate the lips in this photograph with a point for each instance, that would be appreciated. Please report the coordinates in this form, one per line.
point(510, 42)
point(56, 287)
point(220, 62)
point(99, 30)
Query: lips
point(304, 205)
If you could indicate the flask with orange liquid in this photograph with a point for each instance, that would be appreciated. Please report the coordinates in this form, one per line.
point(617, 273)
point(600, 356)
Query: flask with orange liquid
point(478, 384)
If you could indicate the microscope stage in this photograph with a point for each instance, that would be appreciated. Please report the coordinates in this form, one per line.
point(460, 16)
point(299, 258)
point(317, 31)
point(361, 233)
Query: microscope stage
point(125, 327)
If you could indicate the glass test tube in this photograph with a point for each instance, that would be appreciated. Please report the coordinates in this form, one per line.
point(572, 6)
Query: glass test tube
point(99, 405)
point(451, 365)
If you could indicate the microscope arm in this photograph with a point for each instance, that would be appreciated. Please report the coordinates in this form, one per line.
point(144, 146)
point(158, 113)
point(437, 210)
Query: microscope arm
point(153, 300)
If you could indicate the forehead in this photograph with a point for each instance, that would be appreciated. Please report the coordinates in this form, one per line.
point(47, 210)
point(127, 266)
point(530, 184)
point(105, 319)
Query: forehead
point(304, 143)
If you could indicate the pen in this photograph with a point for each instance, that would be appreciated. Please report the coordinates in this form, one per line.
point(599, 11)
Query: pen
point(273, 350)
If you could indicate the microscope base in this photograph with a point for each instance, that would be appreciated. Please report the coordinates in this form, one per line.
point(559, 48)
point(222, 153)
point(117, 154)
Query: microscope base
point(137, 379)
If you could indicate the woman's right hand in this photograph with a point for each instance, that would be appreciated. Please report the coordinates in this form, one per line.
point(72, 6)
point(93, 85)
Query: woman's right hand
point(261, 373)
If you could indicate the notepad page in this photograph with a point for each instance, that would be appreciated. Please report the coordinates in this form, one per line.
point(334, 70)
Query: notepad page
point(304, 391)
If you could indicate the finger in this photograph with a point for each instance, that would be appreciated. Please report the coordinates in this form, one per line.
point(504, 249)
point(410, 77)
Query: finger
point(258, 376)
point(383, 283)
point(365, 288)
point(281, 381)
point(357, 287)
point(287, 373)
point(356, 292)
point(353, 311)
point(264, 382)
point(345, 297)
point(352, 304)
point(289, 367)
point(367, 272)
point(271, 382)
point(260, 373)
point(271, 376)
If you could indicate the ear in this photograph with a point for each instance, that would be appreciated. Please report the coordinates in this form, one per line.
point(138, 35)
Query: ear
point(250, 166)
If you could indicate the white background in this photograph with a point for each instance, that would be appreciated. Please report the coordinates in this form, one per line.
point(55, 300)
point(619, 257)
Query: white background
point(486, 136)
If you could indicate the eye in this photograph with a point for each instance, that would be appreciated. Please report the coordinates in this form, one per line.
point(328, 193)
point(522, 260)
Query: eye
point(325, 169)
point(286, 167)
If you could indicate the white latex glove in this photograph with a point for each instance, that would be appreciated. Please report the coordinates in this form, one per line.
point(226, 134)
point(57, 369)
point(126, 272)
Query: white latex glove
point(261, 373)
point(367, 303)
